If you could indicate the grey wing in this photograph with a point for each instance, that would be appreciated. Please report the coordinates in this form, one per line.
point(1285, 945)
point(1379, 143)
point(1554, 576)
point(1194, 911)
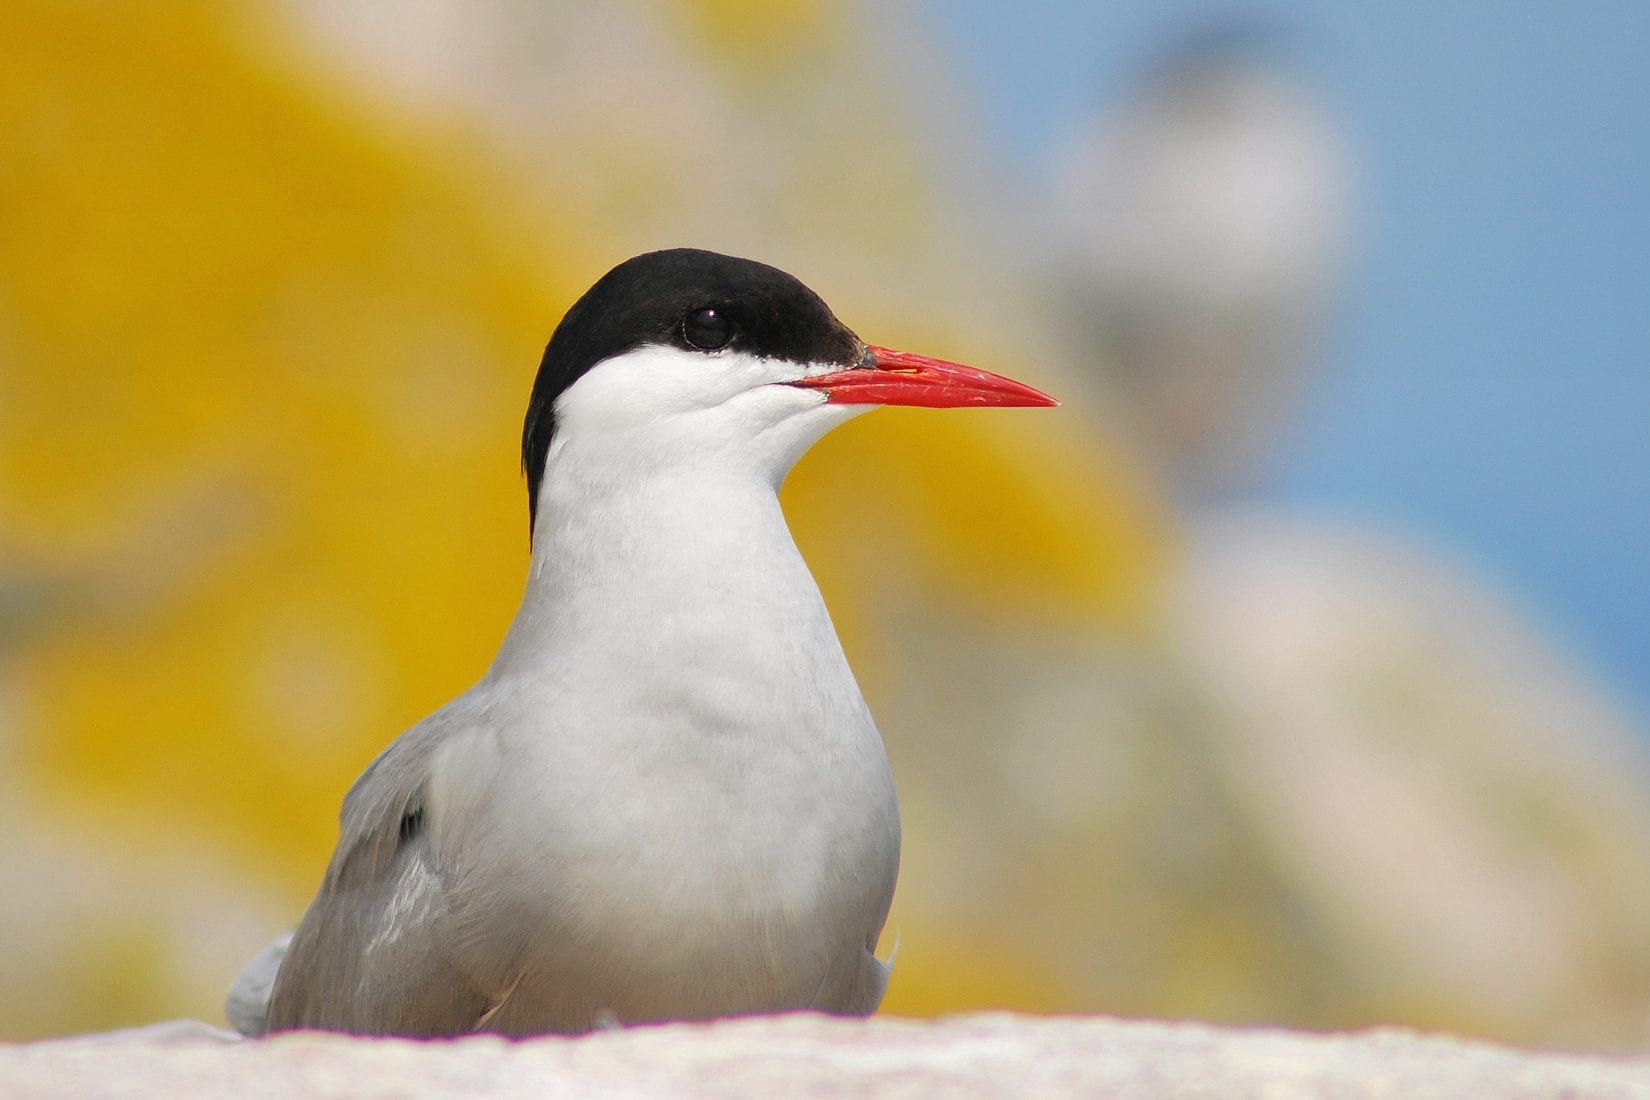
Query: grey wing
point(372, 954)
point(247, 1006)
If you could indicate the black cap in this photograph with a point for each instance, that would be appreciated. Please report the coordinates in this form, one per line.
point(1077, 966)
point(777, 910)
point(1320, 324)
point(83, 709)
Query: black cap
point(683, 298)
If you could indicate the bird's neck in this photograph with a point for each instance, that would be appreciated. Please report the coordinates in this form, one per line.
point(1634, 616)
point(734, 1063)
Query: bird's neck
point(673, 674)
point(691, 564)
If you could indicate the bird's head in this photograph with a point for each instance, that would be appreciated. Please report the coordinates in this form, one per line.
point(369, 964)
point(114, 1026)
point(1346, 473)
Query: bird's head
point(686, 356)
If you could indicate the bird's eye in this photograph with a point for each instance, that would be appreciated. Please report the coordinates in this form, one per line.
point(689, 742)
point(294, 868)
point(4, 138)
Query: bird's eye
point(707, 329)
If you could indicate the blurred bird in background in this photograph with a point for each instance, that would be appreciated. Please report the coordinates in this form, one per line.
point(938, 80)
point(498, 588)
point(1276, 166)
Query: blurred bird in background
point(269, 276)
point(1200, 235)
point(1453, 816)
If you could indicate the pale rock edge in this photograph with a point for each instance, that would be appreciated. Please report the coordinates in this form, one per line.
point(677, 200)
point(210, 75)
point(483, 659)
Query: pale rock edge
point(997, 1055)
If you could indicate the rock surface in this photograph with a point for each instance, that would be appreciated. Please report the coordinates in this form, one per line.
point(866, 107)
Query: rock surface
point(983, 1056)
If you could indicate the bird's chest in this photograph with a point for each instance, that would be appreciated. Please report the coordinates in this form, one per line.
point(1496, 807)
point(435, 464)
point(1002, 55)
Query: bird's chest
point(696, 787)
point(711, 794)
point(713, 838)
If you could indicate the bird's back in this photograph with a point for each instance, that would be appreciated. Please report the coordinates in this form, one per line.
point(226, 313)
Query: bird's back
point(371, 953)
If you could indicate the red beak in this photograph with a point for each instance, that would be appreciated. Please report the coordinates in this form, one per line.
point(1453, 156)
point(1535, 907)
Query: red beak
point(900, 378)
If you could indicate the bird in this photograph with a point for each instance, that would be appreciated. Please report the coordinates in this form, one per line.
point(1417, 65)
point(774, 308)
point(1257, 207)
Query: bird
point(666, 799)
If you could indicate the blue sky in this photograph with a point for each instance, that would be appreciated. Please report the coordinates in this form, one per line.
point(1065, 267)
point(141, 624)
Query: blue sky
point(1489, 388)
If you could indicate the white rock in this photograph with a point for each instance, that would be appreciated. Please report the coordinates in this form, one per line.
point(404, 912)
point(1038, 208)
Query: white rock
point(808, 1056)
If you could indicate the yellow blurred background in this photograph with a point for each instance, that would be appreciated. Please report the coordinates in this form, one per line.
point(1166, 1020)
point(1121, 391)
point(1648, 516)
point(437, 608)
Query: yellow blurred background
point(274, 280)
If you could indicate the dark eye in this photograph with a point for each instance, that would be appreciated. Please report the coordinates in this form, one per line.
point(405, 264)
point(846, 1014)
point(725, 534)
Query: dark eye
point(707, 329)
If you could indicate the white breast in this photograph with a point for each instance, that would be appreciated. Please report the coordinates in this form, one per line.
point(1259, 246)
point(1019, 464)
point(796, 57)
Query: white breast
point(674, 675)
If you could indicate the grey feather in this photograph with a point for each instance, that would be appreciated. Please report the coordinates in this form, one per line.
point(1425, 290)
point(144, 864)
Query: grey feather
point(247, 1007)
point(369, 956)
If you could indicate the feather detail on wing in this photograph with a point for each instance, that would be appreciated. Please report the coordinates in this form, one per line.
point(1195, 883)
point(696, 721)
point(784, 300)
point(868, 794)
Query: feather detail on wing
point(369, 956)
